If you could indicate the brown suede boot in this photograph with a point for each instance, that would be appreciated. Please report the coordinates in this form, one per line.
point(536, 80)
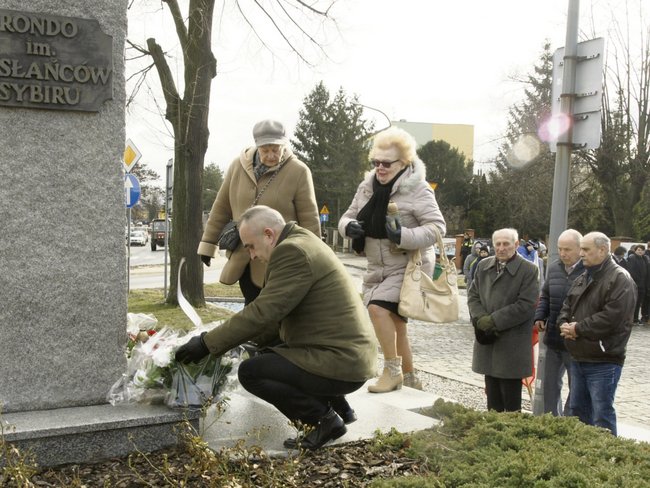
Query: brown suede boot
point(391, 379)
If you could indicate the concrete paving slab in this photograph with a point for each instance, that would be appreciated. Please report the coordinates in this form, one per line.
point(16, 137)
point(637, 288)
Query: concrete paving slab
point(255, 423)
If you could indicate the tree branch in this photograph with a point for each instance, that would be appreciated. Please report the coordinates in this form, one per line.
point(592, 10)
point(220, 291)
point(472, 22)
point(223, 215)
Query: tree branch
point(181, 30)
point(166, 79)
point(299, 27)
point(282, 34)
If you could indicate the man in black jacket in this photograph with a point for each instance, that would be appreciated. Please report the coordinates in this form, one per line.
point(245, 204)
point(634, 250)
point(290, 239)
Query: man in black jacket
point(561, 274)
point(638, 267)
point(596, 321)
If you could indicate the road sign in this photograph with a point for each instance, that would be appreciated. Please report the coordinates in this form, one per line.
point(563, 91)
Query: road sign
point(588, 93)
point(131, 190)
point(324, 210)
point(324, 217)
point(131, 155)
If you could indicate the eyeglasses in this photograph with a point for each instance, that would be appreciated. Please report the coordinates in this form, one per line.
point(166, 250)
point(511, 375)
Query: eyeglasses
point(386, 164)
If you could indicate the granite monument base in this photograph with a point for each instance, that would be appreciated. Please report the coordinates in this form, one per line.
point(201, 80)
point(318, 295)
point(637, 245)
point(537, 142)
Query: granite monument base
point(94, 433)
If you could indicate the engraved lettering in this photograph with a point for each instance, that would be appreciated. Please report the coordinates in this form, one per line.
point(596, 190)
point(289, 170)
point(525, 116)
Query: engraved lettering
point(81, 74)
point(19, 89)
point(34, 71)
point(36, 94)
point(43, 26)
point(57, 94)
point(4, 92)
point(68, 98)
point(38, 48)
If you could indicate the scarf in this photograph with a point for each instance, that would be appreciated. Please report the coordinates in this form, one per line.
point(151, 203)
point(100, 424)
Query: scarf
point(372, 216)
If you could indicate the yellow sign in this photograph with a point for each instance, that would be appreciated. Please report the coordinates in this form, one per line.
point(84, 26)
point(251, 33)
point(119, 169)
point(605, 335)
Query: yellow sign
point(131, 155)
point(433, 185)
point(324, 210)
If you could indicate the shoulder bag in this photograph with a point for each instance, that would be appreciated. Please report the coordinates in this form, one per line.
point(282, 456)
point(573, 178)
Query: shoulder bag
point(427, 299)
point(229, 238)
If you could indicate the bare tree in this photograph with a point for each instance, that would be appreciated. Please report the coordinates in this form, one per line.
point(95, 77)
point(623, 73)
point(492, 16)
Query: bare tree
point(187, 112)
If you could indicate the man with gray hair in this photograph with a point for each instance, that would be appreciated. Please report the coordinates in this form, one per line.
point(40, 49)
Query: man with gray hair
point(595, 322)
point(501, 301)
point(561, 274)
point(328, 345)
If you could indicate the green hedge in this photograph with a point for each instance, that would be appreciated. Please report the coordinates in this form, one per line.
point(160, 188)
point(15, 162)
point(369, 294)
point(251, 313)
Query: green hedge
point(489, 449)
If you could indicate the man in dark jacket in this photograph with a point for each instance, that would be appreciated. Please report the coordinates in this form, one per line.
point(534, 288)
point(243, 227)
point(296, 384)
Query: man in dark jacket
point(595, 322)
point(561, 275)
point(637, 265)
point(328, 348)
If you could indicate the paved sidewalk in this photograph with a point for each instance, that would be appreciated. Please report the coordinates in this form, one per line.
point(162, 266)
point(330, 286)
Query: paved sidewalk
point(446, 350)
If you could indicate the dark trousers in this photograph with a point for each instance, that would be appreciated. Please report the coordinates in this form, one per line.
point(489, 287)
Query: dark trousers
point(503, 394)
point(299, 395)
point(249, 289)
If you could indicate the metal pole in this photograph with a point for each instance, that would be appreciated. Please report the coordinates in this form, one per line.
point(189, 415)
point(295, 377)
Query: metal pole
point(561, 178)
point(128, 252)
point(167, 178)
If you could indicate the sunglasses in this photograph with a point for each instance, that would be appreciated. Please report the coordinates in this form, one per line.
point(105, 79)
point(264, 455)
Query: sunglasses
point(386, 164)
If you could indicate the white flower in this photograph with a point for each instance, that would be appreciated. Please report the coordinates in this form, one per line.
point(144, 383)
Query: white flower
point(162, 356)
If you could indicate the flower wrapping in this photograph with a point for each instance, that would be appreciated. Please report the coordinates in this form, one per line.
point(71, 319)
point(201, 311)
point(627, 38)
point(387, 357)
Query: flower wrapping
point(153, 376)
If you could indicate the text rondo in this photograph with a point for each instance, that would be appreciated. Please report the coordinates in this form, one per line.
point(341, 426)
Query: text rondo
point(53, 62)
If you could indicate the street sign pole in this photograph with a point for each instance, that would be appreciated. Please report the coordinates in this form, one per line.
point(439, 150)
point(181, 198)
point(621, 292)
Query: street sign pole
point(169, 178)
point(560, 202)
point(128, 253)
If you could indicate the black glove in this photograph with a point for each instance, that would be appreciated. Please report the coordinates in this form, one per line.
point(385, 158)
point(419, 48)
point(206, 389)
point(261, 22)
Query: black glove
point(394, 235)
point(206, 259)
point(193, 350)
point(354, 230)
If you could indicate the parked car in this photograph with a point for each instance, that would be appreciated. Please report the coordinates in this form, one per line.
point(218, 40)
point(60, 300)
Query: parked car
point(139, 238)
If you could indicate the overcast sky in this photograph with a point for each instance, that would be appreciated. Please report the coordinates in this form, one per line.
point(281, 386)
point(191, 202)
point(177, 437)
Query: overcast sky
point(420, 60)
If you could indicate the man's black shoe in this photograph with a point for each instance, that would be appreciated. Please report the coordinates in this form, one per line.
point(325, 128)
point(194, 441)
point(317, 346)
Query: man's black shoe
point(329, 427)
point(348, 416)
point(343, 408)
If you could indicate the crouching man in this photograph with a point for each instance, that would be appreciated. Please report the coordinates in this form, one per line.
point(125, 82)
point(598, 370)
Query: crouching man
point(328, 347)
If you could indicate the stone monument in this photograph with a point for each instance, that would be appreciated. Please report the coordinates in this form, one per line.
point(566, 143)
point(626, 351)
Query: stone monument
point(62, 245)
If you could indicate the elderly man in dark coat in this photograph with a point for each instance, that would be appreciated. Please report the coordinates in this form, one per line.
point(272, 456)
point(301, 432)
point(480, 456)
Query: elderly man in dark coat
point(501, 303)
point(328, 347)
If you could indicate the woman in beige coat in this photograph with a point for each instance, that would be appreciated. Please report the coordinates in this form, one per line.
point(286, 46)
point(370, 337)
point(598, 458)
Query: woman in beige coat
point(399, 178)
point(266, 174)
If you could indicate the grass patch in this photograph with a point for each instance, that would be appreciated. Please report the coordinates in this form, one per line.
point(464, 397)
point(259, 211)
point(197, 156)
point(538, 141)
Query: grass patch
point(151, 301)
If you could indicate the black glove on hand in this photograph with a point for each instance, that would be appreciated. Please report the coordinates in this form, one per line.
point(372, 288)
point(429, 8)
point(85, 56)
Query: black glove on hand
point(206, 259)
point(193, 350)
point(354, 230)
point(394, 235)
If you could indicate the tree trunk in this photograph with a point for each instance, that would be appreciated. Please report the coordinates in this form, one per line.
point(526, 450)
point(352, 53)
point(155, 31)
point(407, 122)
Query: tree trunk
point(189, 119)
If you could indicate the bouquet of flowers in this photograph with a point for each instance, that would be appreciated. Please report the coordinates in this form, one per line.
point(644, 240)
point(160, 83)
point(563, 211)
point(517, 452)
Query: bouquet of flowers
point(153, 376)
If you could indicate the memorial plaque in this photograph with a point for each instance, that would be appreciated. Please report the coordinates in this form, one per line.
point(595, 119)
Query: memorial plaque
point(53, 62)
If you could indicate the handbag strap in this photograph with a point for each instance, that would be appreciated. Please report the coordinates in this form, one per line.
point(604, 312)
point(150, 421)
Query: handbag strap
point(444, 260)
point(259, 195)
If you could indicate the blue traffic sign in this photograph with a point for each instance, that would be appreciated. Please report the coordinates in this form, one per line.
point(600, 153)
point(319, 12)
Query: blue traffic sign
point(131, 190)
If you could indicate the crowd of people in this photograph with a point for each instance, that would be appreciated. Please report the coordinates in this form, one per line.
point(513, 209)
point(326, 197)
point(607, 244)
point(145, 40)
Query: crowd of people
point(313, 339)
